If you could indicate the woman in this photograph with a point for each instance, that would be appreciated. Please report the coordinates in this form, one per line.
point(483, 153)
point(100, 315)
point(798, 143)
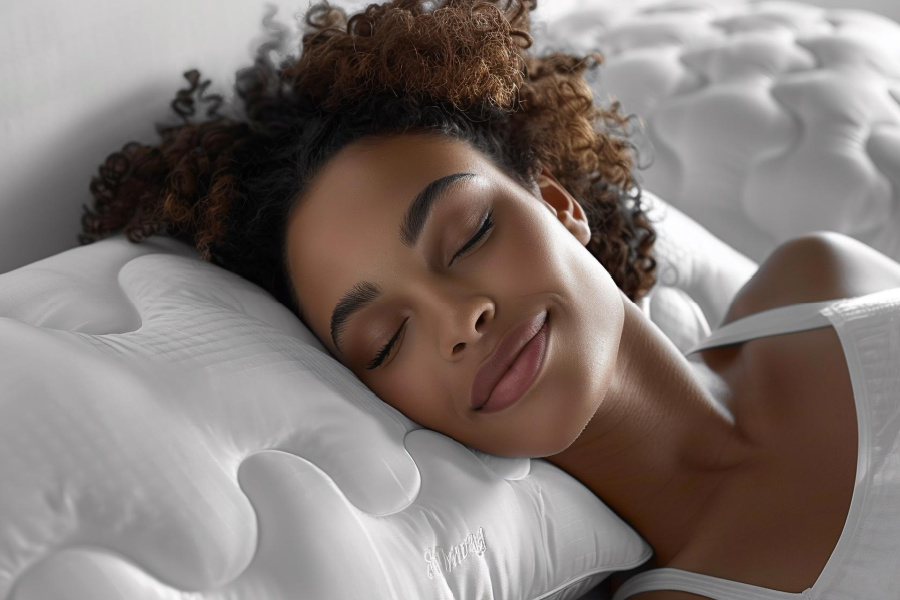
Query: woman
point(428, 197)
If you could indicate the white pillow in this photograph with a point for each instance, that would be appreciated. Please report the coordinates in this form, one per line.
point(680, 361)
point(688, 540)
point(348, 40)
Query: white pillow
point(169, 430)
point(168, 427)
point(697, 275)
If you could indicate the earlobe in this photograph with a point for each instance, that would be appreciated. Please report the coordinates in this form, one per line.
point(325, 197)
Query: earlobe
point(564, 206)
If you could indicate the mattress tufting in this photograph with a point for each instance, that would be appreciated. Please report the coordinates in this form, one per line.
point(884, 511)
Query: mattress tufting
point(762, 120)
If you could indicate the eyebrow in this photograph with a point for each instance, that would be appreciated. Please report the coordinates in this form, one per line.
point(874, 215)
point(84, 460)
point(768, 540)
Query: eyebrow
point(411, 227)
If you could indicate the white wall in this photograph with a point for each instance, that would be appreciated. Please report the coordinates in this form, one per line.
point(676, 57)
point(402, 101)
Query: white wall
point(79, 79)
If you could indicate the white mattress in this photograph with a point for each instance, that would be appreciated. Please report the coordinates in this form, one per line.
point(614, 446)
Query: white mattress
point(763, 120)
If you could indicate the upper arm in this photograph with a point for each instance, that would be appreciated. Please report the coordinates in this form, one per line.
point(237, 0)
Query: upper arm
point(815, 267)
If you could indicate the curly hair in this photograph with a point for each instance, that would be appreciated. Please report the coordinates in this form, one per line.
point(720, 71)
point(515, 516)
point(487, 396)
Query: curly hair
point(460, 68)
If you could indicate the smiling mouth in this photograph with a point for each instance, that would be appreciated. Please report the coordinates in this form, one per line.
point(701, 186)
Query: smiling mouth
point(521, 374)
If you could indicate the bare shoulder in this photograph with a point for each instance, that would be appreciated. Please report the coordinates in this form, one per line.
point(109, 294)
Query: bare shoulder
point(814, 267)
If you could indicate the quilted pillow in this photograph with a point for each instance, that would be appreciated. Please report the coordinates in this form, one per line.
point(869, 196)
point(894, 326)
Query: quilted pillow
point(171, 430)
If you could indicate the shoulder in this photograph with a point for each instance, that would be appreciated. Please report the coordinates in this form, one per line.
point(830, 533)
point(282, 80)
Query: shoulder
point(817, 266)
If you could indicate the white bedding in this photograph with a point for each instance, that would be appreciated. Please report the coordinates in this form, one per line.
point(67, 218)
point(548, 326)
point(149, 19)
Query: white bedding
point(169, 431)
point(191, 439)
point(764, 120)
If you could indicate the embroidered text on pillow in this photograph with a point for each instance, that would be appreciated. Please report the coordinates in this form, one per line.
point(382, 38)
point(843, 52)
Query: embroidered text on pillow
point(436, 557)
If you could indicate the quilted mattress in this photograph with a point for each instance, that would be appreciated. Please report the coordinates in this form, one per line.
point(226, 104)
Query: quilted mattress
point(761, 120)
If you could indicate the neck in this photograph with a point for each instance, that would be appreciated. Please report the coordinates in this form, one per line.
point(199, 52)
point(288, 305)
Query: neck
point(659, 444)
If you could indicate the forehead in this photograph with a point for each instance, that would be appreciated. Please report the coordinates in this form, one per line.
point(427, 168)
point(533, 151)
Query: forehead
point(346, 227)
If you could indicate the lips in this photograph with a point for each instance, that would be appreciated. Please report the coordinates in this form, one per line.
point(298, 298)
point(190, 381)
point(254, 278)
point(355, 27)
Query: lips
point(499, 362)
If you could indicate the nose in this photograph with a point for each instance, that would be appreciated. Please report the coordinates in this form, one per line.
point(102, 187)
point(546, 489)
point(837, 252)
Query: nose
point(467, 325)
point(460, 316)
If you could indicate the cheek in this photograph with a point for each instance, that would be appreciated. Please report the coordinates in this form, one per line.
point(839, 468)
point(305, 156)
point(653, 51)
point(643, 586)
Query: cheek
point(415, 392)
point(545, 253)
point(526, 253)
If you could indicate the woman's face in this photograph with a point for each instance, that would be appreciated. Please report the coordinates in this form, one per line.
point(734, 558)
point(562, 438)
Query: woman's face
point(453, 309)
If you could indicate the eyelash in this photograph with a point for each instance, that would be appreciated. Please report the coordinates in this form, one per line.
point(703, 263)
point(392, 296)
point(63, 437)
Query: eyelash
point(486, 226)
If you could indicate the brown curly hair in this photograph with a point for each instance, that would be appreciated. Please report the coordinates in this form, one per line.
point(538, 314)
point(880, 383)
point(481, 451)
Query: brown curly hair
point(459, 68)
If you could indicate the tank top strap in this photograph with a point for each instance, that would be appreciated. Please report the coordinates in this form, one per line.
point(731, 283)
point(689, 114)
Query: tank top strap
point(702, 585)
point(774, 321)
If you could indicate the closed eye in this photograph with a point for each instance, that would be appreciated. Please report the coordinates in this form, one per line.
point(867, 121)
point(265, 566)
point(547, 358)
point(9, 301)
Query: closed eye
point(486, 226)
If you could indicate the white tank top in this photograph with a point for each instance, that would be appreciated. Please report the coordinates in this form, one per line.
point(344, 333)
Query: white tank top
point(865, 563)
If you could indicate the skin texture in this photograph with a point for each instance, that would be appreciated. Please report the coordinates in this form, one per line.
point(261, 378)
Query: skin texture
point(612, 384)
point(531, 260)
point(776, 521)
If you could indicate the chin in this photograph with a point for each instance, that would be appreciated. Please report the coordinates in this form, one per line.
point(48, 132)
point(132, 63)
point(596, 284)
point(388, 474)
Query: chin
point(543, 447)
point(556, 448)
point(563, 439)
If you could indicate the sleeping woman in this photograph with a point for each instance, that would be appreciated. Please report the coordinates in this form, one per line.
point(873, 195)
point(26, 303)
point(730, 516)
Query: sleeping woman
point(459, 224)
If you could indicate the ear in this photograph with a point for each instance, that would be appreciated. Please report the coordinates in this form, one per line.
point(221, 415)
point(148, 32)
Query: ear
point(563, 206)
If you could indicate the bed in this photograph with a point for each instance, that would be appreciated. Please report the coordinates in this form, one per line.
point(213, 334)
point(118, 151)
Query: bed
point(168, 430)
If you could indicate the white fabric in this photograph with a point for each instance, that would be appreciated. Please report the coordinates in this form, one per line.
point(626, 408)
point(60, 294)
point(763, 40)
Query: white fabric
point(168, 430)
point(865, 562)
point(697, 274)
point(763, 120)
point(165, 414)
point(703, 585)
point(774, 321)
